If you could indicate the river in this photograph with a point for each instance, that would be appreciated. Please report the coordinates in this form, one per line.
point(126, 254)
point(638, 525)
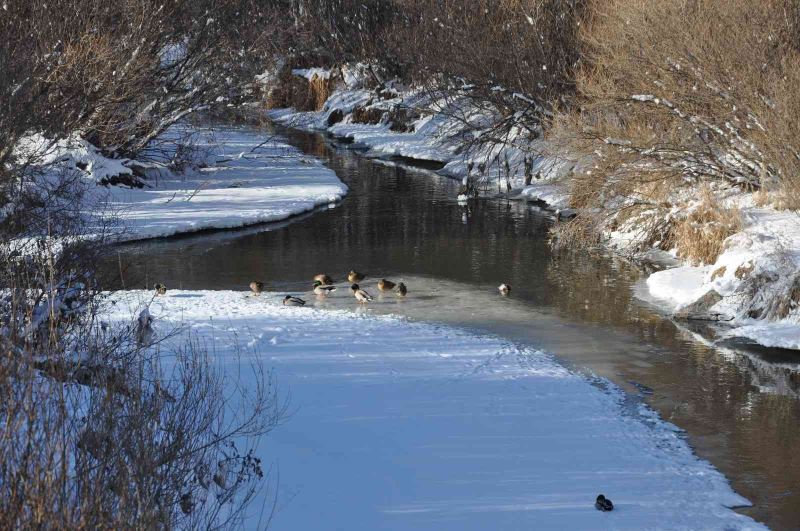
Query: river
point(738, 404)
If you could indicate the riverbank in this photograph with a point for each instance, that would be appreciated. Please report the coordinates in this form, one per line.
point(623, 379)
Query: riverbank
point(443, 428)
point(233, 177)
point(752, 288)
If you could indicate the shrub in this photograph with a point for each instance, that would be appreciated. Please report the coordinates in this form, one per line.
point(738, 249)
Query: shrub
point(672, 95)
point(700, 235)
point(367, 115)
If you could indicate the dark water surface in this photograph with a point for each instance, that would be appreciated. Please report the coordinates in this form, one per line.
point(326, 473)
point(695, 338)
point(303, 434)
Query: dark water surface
point(739, 405)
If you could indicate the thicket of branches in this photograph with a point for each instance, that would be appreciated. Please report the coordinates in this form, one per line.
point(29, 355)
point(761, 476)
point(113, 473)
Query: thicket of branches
point(645, 98)
point(122, 72)
point(514, 58)
point(111, 426)
point(684, 95)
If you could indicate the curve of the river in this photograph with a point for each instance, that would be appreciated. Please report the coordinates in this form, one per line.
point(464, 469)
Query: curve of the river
point(739, 405)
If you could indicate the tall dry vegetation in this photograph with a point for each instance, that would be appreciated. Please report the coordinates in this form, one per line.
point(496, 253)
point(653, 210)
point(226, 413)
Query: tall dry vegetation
point(675, 94)
point(525, 47)
point(103, 426)
point(123, 72)
point(648, 98)
point(510, 60)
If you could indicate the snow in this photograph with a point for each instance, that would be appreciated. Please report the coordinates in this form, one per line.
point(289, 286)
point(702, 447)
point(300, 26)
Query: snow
point(678, 286)
point(252, 183)
point(383, 142)
point(311, 73)
point(72, 152)
point(769, 242)
point(247, 177)
point(436, 137)
point(403, 425)
point(553, 194)
point(758, 268)
point(769, 334)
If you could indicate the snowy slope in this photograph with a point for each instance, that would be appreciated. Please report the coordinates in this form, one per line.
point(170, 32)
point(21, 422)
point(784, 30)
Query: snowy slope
point(400, 425)
point(757, 275)
point(252, 183)
point(247, 176)
point(768, 247)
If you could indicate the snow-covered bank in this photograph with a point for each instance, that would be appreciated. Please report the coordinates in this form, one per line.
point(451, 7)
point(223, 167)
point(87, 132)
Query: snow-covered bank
point(246, 177)
point(401, 130)
point(401, 425)
point(754, 286)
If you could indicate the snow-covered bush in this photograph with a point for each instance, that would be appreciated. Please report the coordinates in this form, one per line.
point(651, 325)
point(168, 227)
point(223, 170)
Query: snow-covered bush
point(676, 95)
point(100, 426)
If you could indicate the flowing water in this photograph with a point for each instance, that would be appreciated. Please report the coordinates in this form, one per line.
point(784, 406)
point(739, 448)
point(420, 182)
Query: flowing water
point(739, 405)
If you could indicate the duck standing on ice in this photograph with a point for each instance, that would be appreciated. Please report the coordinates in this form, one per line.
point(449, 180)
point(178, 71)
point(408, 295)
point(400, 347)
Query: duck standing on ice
point(323, 289)
point(385, 285)
point(256, 287)
point(360, 295)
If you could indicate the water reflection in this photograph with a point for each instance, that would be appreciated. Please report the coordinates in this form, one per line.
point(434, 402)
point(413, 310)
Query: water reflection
point(738, 404)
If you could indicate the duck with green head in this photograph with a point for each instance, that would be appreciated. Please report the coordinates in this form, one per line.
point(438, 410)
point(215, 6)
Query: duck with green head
point(323, 289)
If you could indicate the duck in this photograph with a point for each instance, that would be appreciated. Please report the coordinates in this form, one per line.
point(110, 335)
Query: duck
point(386, 285)
point(256, 287)
point(293, 301)
point(504, 288)
point(323, 279)
point(320, 288)
point(603, 504)
point(354, 276)
point(401, 289)
point(360, 295)
point(161, 289)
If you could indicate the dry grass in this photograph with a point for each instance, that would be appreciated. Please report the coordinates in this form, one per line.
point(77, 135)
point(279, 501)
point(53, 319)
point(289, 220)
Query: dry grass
point(744, 270)
point(300, 93)
point(367, 115)
point(401, 120)
point(700, 236)
point(676, 94)
point(320, 90)
point(718, 273)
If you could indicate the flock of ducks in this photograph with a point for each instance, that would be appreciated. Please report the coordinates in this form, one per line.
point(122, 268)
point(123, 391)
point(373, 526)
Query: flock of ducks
point(324, 286)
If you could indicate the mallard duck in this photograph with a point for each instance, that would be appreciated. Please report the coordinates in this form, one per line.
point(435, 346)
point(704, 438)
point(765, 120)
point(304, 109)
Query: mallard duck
point(385, 285)
point(323, 279)
point(360, 295)
point(354, 276)
point(256, 287)
point(401, 289)
point(161, 289)
point(603, 504)
point(505, 289)
point(293, 301)
point(323, 289)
